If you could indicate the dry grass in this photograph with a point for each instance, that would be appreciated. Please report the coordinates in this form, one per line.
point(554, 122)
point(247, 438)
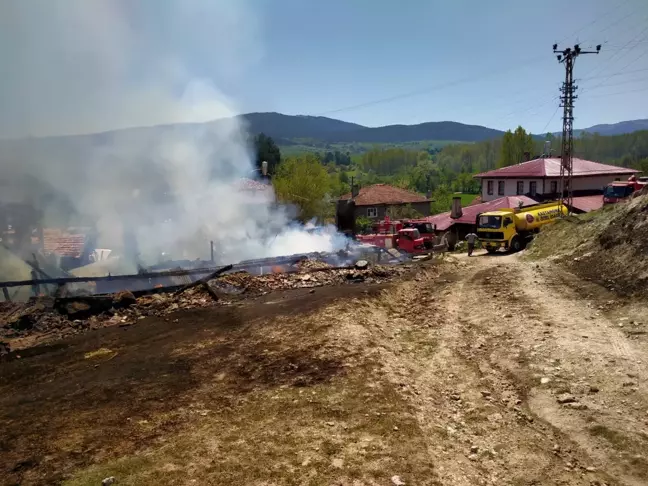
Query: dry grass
point(98, 353)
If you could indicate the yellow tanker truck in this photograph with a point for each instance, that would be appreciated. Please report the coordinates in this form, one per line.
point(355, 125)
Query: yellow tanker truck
point(512, 229)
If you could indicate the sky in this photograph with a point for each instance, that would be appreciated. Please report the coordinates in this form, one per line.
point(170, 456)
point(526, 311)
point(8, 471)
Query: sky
point(75, 66)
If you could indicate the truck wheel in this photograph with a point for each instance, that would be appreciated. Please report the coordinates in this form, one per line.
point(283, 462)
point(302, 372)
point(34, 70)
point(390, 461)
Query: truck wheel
point(516, 244)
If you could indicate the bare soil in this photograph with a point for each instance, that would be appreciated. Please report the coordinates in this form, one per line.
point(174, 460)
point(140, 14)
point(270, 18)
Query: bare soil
point(609, 247)
point(476, 371)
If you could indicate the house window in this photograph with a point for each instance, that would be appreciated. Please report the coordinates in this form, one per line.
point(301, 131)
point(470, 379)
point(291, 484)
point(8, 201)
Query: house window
point(500, 188)
point(372, 212)
point(490, 188)
point(554, 187)
point(520, 188)
point(532, 188)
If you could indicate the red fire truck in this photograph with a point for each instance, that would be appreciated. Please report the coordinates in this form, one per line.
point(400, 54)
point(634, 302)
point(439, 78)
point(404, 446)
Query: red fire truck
point(411, 236)
point(620, 190)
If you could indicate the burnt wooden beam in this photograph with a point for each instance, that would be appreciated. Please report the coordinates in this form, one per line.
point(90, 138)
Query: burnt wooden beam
point(108, 278)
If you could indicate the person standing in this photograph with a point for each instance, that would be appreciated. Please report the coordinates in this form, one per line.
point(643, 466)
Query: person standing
point(471, 238)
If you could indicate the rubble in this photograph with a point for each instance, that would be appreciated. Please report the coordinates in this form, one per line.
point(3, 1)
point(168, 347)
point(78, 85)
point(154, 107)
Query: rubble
point(310, 264)
point(60, 317)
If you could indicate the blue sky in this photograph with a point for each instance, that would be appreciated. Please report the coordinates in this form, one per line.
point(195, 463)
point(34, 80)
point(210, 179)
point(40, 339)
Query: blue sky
point(323, 56)
point(82, 66)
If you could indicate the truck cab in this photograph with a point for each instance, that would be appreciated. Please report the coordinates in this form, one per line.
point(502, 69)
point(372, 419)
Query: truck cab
point(410, 240)
point(496, 230)
point(620, 190)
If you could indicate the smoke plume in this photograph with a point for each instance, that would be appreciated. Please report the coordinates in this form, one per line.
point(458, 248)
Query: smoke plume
point(78, 68)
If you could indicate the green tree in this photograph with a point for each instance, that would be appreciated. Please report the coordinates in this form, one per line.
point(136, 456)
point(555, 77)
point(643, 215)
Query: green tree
point(515, 145)
point(267, 149)
point(507, 151)
point(389, 161)
point(304, 182)
point(466, 183)
point(524, 146)
point(441, 200)
point(363, 224)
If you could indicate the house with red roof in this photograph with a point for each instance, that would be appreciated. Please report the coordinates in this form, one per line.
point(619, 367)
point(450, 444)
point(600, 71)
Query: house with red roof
point(539, 179)
point(374, 201)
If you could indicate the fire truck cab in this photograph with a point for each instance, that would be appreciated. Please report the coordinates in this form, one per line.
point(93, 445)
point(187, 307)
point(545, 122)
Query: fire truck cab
point(620, 190)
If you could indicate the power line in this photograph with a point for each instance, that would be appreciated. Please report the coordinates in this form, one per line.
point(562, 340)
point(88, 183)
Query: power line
point(534, 106)
point(614, 9)
point(627, 81)
point(429, 89)
point(612, 75)
point(618, 93)
point(544, 130)
point(614, 24)
point(623, 48)
point(624, 67)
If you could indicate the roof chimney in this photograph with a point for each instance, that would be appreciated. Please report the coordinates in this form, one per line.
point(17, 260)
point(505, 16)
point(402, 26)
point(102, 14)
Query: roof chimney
point(527, 156)
point(547, 149)
point(455, 210)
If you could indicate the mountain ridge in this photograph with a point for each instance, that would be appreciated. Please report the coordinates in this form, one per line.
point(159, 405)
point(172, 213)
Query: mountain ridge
point(288, 128)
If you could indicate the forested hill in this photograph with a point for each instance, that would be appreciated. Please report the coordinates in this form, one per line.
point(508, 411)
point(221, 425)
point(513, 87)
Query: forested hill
point(445, 130)
point(280, 126)
point(288, 127)
point(316, 132)
point(620, 128)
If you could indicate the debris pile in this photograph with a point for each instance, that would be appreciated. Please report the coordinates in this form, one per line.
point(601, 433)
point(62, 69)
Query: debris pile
point(310, 264)
point(54, 318)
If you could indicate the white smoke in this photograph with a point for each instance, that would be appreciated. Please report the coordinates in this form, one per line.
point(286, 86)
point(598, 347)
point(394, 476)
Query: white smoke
point(86, 66)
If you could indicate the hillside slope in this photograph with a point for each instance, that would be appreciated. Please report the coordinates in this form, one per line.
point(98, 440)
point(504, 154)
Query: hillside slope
point(287, 130)
point(445, 130)
point(620, 128)
point(278, 125)
point(608, 247)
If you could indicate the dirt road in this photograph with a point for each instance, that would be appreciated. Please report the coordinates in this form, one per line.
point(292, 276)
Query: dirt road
point(483, 370)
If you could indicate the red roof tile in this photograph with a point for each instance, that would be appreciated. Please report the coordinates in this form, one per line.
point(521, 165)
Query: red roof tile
point(588, 203)
point(443, 221)
point(385, 194)
point(550, 167)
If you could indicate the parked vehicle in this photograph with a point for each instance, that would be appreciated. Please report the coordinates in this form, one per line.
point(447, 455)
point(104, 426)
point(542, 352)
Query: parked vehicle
point(387, 226)
point(621, 190)
point(511, 229)
point(408, 240)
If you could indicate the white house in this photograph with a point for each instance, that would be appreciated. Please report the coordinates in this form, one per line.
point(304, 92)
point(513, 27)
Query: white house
point(539, 179)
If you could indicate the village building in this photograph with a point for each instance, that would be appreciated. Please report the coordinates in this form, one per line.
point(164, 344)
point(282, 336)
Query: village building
point(539, 179)
point(375, 201)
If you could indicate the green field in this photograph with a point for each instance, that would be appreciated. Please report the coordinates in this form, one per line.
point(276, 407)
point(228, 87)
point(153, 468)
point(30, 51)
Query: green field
point(466, 199)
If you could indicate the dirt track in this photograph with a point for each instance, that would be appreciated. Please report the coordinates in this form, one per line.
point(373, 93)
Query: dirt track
point(451, 378)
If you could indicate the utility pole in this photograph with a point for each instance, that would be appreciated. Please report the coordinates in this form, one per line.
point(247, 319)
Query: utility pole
point(568, 57)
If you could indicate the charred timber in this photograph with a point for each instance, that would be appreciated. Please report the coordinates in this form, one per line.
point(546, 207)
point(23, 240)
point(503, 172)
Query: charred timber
point(138, 276)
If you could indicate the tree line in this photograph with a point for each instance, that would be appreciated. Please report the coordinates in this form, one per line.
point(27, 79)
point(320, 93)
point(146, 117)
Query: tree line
point(438, 173)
